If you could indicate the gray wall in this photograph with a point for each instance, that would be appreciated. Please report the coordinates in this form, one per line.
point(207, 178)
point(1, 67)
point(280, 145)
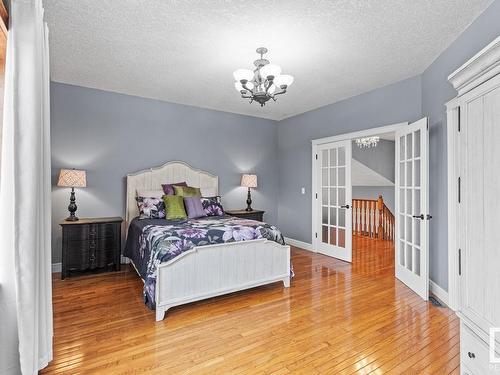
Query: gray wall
point(388, 105)
point(436, 91)
point(110, 135)
point(380, 158)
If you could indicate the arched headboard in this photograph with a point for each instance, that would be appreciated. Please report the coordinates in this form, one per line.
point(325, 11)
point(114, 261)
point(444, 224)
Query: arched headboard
point(171, 172)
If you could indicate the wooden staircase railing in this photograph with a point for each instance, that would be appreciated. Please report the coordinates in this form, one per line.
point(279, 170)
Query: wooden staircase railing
point(372, 218)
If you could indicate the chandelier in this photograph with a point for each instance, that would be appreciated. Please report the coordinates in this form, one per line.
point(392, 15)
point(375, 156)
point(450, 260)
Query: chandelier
point(264, 82)
point(367, 142)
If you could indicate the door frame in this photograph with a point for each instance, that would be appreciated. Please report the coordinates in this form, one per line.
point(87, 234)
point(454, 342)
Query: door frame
point(341, 137)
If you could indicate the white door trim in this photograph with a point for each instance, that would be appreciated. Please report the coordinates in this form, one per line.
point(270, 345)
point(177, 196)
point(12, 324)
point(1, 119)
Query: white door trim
point(359, 133)
point(341, 137)
point(452, 148)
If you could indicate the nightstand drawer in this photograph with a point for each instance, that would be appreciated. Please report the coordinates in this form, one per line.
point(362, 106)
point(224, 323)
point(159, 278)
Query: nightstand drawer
point(107, 230)
point(76, 233)
point(253, 216)
point(257, 215)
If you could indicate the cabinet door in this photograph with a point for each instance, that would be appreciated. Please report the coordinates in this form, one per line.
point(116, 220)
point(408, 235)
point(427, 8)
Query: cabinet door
point(479, 210)
point(77, 257)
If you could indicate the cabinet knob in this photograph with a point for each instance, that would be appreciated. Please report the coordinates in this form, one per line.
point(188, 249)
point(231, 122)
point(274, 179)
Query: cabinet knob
point(471, 355)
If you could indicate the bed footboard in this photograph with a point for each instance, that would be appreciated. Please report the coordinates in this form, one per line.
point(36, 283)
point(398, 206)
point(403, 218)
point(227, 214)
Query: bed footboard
point(209, 271)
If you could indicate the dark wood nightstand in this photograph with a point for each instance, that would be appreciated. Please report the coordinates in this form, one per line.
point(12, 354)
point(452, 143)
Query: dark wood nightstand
point(90, 244)
point(252, 215)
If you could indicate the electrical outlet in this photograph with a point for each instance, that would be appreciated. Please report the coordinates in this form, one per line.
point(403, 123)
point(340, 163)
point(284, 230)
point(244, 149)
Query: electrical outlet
point(303, 190)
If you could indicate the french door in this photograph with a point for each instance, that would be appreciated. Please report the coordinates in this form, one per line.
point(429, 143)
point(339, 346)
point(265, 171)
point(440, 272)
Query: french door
point(334, 214)
point(412, 207)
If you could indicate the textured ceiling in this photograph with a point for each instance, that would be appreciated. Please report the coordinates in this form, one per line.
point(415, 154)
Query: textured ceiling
point(185, 51)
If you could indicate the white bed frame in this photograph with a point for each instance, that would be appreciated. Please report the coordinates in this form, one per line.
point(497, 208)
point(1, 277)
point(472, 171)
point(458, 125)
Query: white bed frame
point(207, 271)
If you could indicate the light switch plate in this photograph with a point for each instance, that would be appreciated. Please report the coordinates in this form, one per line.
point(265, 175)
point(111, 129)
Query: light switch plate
point(303, 190)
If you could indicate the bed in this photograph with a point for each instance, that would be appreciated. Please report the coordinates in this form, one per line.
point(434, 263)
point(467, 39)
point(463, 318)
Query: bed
point(206, 269)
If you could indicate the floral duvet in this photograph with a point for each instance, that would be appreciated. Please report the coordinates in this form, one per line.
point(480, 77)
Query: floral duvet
point(154, 241)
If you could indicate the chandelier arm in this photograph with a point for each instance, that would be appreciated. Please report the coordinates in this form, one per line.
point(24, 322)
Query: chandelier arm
point(246, 88)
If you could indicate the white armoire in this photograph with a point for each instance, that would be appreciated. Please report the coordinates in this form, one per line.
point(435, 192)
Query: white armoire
point(473, 120)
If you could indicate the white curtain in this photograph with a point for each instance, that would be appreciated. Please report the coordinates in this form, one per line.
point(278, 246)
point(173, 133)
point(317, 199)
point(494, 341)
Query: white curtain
point(25, 207)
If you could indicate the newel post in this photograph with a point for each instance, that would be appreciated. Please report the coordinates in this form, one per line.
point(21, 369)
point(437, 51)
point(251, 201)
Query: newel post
point(380, 209)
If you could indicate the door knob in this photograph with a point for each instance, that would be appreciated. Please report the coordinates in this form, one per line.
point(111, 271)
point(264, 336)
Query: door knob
point(421, 217)
point(345, 206)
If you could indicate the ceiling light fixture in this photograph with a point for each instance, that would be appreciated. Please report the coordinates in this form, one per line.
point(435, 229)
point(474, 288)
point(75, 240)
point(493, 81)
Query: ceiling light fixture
point(264, 82)
point(367, 142)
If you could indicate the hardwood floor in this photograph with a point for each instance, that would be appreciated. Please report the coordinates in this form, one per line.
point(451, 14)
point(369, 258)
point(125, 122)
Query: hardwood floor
point(336, 318)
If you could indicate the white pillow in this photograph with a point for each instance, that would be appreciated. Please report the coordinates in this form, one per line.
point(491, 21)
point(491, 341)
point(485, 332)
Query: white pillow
point(208, 192)
point(150, 193)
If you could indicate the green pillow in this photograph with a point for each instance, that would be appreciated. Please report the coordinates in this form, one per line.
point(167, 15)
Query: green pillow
point(174, 207)
point(187, 191)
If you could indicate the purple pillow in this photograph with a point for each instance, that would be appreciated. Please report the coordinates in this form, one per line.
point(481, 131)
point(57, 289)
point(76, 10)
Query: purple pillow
point(194, 208)
point(168, 189)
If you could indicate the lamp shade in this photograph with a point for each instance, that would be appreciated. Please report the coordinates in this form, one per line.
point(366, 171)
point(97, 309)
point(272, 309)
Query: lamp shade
point(249, 180)
point(72, 178)
point(270, 70)
point(284, 79)
point(240, 74)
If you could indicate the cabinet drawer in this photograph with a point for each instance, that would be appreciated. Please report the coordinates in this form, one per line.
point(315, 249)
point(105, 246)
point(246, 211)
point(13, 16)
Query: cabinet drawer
point(107, 230)
point(474, 353)
point(77, 254)
point(77, 232)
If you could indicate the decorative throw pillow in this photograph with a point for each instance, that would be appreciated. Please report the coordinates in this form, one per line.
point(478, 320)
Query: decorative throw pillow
point(212, 206)
point(168, 189)
point(174, 205)
point(150, 208)
point(194, 208)
point(150, 193)
point(187, 191)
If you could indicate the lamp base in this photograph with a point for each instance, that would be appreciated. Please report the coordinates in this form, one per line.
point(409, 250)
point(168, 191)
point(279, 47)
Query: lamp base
point(249, 201)
point(72, 207)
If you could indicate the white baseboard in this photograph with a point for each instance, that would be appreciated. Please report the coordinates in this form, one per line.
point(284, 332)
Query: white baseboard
point(303, 245)
point(56, 267)
point(439, 292)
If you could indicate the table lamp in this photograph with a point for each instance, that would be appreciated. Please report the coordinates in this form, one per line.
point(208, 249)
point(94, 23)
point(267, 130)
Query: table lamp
point(249, 181)
point(72, 178)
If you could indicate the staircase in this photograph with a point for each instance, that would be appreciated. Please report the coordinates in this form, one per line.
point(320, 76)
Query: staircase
point(372, 218)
